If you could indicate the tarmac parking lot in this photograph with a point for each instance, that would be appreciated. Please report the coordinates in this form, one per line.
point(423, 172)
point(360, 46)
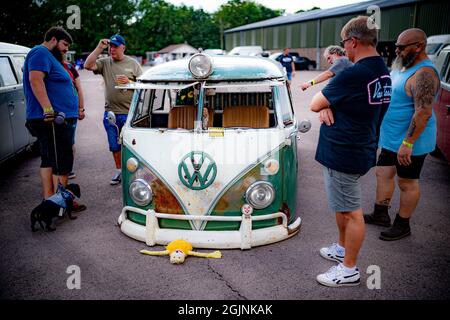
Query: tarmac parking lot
point(38, 265)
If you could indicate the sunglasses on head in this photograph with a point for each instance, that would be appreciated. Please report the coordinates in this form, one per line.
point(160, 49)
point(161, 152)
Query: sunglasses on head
point(402, 47)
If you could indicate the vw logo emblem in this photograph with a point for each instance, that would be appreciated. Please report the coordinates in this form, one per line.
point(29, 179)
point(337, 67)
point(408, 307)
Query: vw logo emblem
point(197, 170)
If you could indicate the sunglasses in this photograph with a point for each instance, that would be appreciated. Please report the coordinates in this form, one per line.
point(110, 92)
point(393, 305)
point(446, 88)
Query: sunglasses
point(402, 47)
point(342, 43)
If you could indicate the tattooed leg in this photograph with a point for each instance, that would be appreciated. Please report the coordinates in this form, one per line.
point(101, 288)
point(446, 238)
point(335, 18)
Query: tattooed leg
point(385, 184)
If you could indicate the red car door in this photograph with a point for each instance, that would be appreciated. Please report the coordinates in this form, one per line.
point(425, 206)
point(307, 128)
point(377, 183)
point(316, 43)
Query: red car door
point(442, 110)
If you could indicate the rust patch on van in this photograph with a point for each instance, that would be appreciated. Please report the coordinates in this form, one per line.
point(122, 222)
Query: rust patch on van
point(286, 211)
point(165, 201)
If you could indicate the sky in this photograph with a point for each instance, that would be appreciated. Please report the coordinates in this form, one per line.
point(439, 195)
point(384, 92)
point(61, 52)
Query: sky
point(291, 6)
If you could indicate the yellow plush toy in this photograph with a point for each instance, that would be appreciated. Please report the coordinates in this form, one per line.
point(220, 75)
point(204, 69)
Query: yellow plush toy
point(178, 250)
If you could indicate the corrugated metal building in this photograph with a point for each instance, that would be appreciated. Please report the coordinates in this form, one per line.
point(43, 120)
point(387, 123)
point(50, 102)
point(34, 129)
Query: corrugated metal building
point(309, 33)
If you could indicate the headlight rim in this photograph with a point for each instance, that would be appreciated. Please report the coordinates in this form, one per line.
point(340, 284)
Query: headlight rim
point(146, 184)
point(250, 189)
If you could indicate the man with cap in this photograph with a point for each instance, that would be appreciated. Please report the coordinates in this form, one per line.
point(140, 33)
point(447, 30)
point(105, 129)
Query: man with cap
point(117, 69)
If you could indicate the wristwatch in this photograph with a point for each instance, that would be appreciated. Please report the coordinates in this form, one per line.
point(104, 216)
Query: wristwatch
point(82, 110)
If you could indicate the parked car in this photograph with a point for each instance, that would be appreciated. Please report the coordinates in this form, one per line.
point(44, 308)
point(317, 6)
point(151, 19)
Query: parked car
point(442, 105)
point(14, 135)
point(252, 51)
point(435, 44)
point(215, 52)
point(301, 63)
point(209, 154)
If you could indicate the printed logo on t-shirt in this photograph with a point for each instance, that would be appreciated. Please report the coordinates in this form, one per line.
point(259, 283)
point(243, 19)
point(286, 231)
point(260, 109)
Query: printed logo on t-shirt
point(379, 90)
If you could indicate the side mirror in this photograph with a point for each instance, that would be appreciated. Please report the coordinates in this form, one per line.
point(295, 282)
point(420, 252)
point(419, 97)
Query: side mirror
point(265, 54)
point(111, 118)
point(304, 126)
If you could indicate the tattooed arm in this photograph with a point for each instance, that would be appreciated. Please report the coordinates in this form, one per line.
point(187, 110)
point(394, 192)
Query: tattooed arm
point(423, 88)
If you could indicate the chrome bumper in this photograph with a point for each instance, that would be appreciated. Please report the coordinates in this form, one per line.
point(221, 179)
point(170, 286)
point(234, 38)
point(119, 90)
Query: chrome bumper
point(244, 238)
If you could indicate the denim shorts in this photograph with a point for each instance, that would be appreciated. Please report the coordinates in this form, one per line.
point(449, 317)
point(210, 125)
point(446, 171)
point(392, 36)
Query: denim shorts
point(113, 131)
point(343, 190)
point(289, 76)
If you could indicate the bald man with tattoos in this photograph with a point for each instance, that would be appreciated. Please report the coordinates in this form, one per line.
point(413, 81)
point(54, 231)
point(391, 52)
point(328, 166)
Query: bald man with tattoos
point(408, 133)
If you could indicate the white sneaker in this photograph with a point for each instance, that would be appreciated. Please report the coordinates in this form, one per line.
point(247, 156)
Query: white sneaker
point(337, 277)
point(331, 253)
point(117, 178)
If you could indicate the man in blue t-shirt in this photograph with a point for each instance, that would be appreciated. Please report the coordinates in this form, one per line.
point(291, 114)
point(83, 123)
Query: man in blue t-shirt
point(351, 109)
point(408, 133)
point(51, 107)
point(287, 61)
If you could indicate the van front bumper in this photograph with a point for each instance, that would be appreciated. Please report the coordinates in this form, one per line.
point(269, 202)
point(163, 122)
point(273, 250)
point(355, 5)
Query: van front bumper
point(244, 238)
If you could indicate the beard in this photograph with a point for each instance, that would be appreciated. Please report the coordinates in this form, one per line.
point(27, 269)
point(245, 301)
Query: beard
point(57, 54)
point(404, 62)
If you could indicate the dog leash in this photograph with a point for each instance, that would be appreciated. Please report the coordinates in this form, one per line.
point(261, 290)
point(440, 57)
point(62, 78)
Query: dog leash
point(57, 167)
point(54, 145)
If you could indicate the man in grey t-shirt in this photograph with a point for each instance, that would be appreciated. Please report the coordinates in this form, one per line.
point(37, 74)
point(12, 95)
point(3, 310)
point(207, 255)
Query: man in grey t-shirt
point(335, 56)
point(117, 69)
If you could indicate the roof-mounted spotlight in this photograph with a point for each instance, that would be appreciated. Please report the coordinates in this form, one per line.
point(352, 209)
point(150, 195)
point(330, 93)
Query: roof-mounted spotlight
point(200, 65)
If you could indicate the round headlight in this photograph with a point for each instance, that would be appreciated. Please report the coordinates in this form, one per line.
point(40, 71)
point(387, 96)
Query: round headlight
point(200, 65)
point(140, 192)
point(260, 194)
point(132, 164)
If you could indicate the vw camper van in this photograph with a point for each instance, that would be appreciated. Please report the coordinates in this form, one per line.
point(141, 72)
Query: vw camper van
point(209, 154)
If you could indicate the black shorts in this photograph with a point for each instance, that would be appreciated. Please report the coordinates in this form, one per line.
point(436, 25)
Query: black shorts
point(389, 158)
point(63, 162)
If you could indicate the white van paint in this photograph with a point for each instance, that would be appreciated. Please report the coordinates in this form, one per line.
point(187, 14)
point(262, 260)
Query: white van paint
point(435, 44)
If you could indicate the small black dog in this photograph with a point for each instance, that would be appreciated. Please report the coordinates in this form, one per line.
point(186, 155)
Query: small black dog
point(50, 208)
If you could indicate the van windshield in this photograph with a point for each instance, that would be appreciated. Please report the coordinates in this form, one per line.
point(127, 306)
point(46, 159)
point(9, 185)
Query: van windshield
point(229, 105)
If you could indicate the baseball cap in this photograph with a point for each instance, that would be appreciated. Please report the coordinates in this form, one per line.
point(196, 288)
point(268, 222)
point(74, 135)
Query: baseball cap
point(117, 40)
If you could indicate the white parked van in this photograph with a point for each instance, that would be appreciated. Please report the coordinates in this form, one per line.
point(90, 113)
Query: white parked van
point(435, 44)
point(251, 51)
point(14, 135)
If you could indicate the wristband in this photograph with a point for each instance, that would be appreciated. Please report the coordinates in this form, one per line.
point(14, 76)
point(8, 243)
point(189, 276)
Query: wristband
point(312, 82)
point(406, 143)
point(48, 109)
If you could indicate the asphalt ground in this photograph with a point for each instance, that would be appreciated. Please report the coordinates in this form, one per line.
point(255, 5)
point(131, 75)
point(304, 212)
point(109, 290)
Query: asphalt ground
point(38, 265)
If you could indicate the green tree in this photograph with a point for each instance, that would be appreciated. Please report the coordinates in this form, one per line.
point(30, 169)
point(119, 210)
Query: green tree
point(158, 24)
point(241, 12)
point(26, 21)
point(312, 9)
point(147, 25)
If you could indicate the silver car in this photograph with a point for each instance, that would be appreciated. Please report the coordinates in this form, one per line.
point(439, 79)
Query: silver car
point(13, 133)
